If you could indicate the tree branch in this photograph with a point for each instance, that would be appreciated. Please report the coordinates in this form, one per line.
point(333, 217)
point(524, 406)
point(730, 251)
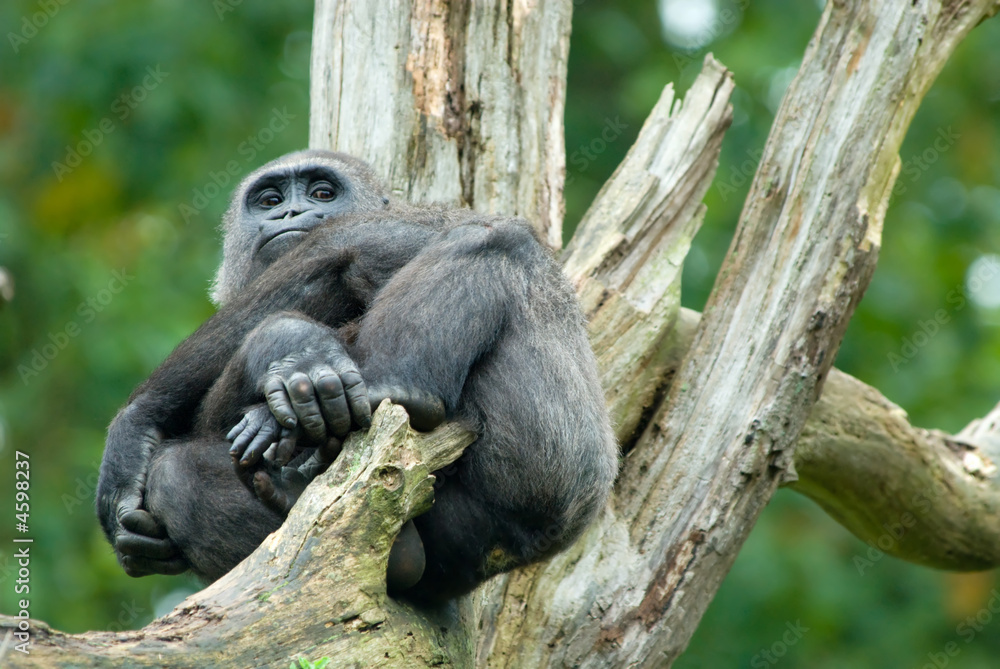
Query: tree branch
point(463, 104)
point(316, 587)
point(920, 495)
point(717, 447)
point(451, 102)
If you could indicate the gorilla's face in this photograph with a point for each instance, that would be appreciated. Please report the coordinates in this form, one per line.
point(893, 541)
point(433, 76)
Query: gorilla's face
point(284, 204)
point(276, 206)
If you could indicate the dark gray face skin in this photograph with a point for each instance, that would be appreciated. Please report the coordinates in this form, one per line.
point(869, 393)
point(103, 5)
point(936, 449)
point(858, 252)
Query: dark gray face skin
point(288, 203)
point(279, 203)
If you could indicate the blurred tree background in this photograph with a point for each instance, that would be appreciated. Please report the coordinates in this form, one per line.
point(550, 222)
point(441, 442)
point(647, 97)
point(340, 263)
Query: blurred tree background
point(119, 121)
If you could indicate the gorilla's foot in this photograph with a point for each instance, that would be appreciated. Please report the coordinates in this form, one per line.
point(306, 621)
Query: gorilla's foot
point(406, 560)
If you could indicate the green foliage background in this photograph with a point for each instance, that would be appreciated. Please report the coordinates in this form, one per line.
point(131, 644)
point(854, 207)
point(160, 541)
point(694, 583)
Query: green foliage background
point(73, 344)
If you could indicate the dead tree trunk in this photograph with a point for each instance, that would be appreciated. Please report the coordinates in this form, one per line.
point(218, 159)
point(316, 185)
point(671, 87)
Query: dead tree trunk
point(462, 103)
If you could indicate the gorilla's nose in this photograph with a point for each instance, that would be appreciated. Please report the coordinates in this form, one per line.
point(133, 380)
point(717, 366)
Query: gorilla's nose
point(294, 212)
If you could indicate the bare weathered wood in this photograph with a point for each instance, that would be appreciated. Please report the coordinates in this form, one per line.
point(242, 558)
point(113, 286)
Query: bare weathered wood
point(916, 494)
point(626, 257)
point(921, 495)
point(462, 103)
point(452, 102)
point(721, 442)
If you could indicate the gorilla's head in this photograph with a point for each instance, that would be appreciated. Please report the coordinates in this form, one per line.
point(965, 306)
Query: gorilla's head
point(275, 206)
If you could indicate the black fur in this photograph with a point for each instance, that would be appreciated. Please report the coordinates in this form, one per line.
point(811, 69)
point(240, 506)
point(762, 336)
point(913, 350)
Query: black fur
point(429, 305)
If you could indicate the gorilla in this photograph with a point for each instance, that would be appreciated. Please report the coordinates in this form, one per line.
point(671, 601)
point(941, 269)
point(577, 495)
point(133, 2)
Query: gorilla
point(332, 298)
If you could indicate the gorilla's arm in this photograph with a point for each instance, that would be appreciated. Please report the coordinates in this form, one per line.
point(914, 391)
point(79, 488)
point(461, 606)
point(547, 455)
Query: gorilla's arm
point(303, 370)
point(166, 404)
point(315, 279)
point(161, 407)
point(315, 397)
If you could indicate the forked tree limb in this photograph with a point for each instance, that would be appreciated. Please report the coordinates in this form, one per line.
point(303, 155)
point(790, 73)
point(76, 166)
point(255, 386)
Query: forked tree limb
point(920, 495)
point(722, 440)
point(466, 108)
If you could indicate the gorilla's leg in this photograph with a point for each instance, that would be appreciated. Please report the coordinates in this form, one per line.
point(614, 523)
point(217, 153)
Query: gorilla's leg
point(441, 325)
point(485, 320)
point(208, 513)
point(457, 533)
point(447, 308)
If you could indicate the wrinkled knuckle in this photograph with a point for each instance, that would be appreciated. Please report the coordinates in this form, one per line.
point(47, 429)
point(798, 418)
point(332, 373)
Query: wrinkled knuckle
point(279, 367)
point(329, 385)
point(312, 421)
point(300, 385)
point(352, 379)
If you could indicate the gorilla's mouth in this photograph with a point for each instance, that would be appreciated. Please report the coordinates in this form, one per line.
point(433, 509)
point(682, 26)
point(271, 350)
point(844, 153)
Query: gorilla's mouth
point(279, 234)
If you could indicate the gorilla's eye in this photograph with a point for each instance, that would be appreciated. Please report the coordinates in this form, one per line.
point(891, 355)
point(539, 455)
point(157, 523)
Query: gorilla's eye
point(324, 193)
point(269, 199)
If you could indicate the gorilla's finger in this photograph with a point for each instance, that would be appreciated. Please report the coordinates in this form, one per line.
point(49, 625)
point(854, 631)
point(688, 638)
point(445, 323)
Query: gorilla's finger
point(257, 447)
point(138, 566)
point(131, 500)
point(269, 454)
point(279, 490)
point(285, 448)
point(332, 401)
point(142, 522)
point(279, 402)
point(313, 467)
point(426, 411)
point(240, 444)
point(280, 452)
point(301, 392)
point(357, 397)
point(264, 488)
point(329, 451)
point(256, 421)
point(239, 427)
point(254, 437)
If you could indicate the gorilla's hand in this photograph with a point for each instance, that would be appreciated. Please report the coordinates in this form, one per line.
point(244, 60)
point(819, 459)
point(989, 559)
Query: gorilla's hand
point(261, 450)
point(320, 391)
point(260, 435)
point(140, 541)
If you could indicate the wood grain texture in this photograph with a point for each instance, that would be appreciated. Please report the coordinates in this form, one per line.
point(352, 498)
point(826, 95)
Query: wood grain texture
point(462, 103)
point(452, 102)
